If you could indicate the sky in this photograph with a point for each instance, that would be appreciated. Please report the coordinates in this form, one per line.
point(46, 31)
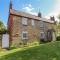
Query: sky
point(46, 7)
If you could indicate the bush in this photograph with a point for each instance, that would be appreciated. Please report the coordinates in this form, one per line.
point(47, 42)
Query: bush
point(58, 38)
point(3, 29)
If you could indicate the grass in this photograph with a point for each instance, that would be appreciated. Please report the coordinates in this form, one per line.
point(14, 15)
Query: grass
point(49, 51)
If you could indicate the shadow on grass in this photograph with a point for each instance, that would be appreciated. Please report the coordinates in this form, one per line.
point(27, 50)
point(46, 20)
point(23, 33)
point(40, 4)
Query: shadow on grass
point(44, 52)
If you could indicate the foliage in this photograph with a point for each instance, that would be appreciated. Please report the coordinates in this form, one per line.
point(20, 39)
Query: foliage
point(49, 51)
point(58, 38)
point(2, 28)
point(59, 17)
point(58, 29)
point(58, 26)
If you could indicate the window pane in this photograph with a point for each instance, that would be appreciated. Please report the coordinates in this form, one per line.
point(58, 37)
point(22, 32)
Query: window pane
point(24, 21)
point(41, 24)
point(42, 35)
point(33, 23)
point(24, 35)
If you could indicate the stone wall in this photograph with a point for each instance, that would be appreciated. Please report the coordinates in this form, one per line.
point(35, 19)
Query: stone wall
point(18, 28)
point(33, 31)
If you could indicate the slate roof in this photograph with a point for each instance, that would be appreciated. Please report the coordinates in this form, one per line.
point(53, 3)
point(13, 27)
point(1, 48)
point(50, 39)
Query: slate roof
point(23, 14)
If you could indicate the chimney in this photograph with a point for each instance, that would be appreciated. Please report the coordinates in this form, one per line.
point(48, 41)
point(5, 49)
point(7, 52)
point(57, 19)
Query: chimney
point(10, 4)
point(39, 14)
point(52, 18)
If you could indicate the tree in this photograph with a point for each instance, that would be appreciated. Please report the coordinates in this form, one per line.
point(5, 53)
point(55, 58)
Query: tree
point(59, 21)
point(2, 28)
point(58, 25)
point(59, 18)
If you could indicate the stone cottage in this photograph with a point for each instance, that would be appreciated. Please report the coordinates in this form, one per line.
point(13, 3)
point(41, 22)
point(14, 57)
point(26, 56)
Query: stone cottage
point(24, 27)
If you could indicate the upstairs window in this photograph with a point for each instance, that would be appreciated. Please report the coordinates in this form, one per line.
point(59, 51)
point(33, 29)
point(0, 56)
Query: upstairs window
point(33, 22)
point(24, 35)
point(24, 21)
point(41, 24)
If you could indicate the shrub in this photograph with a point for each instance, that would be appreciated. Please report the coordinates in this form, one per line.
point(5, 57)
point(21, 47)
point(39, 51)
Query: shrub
point(3, 29)
point(58, 38)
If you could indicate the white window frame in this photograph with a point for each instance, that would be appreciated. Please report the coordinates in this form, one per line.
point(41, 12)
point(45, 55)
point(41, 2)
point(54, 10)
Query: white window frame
point(42, 36)
point(33, 22)
point(24, 33)
point(41, 24)
point(24, 21)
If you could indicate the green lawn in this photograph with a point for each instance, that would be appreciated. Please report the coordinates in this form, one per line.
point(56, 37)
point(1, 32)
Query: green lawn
point(49, 51)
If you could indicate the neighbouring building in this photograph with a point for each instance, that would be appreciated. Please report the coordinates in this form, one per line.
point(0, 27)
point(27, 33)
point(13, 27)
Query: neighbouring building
point(24, 27)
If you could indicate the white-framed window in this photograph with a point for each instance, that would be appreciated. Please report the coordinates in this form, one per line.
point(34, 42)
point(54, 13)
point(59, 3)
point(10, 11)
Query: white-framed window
point(33, 22)
point(42, 35)
point(24, 35)
point(24, 21)
point(41, 24)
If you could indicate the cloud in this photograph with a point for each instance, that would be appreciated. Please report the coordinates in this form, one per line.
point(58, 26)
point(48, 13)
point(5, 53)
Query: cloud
point(55, 10)
point(29, 9)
